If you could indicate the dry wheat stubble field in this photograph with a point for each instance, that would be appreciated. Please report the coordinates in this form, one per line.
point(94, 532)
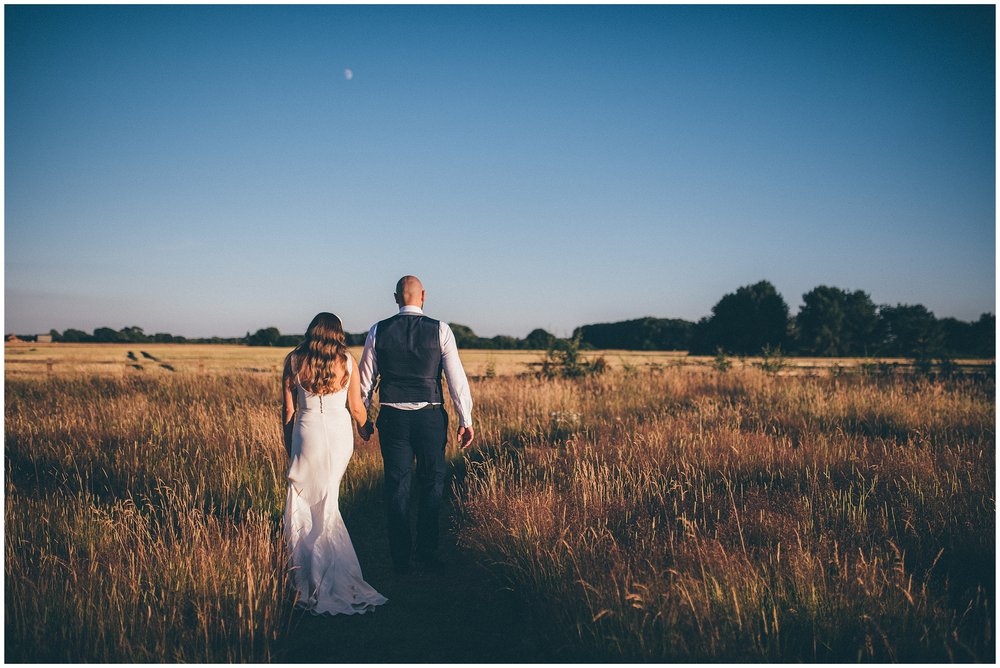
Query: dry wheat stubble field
point(655, 512)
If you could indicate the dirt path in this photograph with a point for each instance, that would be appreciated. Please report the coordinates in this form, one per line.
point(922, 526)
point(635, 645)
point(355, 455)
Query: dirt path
point(459, 615)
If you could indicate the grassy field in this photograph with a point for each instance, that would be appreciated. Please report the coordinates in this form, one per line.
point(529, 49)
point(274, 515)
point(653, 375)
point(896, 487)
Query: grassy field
point(113, 358)
point(656, 512)
point(742, 516)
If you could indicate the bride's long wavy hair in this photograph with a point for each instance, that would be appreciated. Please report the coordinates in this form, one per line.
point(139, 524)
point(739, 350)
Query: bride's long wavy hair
point(321, 359)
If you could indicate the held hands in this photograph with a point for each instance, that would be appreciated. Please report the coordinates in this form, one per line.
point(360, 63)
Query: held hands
point(366, 430)
point(465, 436)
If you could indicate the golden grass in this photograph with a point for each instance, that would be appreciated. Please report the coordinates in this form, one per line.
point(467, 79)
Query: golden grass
point(112, 359)
point(743, 517)
point(659, 513)
point(143, 517)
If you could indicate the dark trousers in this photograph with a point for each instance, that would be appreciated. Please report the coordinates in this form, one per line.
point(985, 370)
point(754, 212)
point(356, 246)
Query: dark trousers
point(403, 434)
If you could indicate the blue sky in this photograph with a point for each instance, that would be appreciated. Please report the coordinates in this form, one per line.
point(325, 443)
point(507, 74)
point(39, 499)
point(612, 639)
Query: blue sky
point(211, 170)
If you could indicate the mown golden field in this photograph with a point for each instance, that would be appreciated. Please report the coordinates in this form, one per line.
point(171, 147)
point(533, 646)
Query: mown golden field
point(663, 510)
point(113, 358)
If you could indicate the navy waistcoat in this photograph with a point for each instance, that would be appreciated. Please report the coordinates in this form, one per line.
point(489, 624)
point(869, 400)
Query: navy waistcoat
point(408, 354)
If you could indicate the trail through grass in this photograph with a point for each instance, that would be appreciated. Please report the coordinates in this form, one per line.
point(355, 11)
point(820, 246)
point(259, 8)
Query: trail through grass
point(461, 614)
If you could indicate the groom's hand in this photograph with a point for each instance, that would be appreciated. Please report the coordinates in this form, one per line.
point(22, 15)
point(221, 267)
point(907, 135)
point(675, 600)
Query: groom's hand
point(465, 436)
point(366, 430)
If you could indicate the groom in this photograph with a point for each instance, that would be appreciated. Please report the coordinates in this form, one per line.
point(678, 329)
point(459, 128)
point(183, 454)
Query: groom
point(407, 352)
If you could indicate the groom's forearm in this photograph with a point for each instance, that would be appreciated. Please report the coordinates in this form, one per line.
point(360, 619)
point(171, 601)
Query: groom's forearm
point(458, 388)
point(454, 372)
point(463, 407)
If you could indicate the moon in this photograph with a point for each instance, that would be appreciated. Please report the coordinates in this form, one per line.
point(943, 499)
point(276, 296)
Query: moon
point(348, 74)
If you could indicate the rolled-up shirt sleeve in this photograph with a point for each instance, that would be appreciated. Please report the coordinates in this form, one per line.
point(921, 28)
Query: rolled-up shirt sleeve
point(369, 367)
point(454, 372)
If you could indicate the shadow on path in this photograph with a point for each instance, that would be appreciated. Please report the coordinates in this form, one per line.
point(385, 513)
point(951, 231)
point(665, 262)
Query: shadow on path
point(461, 614)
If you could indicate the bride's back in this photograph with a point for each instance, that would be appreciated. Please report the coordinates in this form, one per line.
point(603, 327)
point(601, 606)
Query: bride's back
point(321, 385)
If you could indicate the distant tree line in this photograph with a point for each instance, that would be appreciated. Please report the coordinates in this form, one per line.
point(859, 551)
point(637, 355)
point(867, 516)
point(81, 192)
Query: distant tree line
point(538, 339)
point(641, 334)
point(831, 323)
point(837, 323)
point(268, 336)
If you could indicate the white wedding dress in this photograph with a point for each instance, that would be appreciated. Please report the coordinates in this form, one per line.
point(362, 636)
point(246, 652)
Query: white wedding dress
point(324, 568)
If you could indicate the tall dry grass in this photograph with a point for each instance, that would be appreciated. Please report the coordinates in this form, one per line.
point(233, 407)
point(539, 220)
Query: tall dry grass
point(670, 515)
point(742, 516)
point(143, 518)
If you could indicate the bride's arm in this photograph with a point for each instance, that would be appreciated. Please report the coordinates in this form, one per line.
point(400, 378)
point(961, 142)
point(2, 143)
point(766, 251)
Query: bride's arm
point(288, 404)
point(354, 401)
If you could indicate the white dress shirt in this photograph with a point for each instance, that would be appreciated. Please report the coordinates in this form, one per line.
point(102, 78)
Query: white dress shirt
point(458, 384)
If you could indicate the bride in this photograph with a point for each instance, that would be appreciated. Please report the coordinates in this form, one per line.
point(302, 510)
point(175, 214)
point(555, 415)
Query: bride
point(319, 385)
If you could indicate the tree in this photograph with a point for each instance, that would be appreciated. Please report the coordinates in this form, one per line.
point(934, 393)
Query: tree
point(134, 334)
point(744, 322)
point(820, 322)
point(292, 340)
point(836, 322)
point(957, 337)
point(538, 339)
point(863, 328)
point(969, 339)
point(984, 336)
point(108, 335)
point(640, 334)
point(75, 336)
point(464, 336)
point(910, 331)
point(504, 342)
point(268, 336)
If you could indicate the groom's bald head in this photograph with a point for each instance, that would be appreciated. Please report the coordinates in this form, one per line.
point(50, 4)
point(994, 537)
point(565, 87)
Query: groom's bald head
point(409, 291)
